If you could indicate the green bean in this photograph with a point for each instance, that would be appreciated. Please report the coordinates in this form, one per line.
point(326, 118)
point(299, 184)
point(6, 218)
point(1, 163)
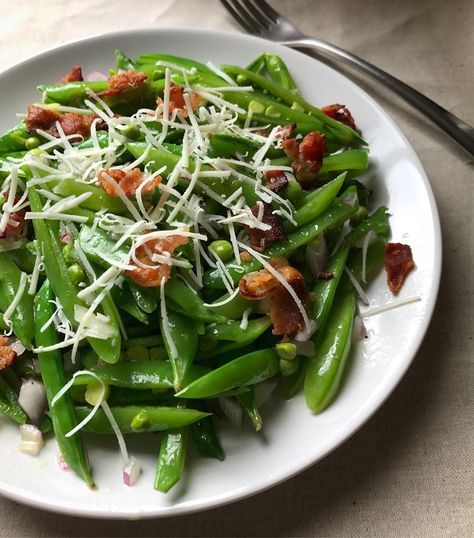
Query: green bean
point(98, 200)
point(325, 368)
point(181, 343)
point(249, 405)
point(204, 435)
point(181, 294)
point(22, 316)
point(9, 403)
point(140, 375)
point(279, 73)
point(52, 372)
point(335, 215)
point(157, 418)
point(320, 200)
point(235, 375)
point(171, 459)
point(343, 133)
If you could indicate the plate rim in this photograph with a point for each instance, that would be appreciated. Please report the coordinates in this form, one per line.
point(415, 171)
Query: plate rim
point(377, 399)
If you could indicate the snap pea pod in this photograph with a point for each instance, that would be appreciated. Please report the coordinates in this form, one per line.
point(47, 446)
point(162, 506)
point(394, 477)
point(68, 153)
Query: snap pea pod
point(352, 159)
point(257, 64)
point(181, 343)
point(334, 215)
point(231, 330)
point(3, 325)
point(51, 367)
point(204, 435)
point(293, 383)
point(279, 73)
point(227, 145)
point(177, 291)
point(24, 259)
point(373, 262)
point(234, 309)
point(249, 405)
point(47, 236)
point(145, 298)
point(120, 396)
point(157, 158)
point(241, 339)
point(343, 133)
point(320, 200)
point(9, 375)
point(14, 139)
point(235, 375)
point(152, 418)
point(140, 375)
point(170, 463)
point(145, 341)
point(325, 368)
point(98, 200)
point(124, 300)
point(377, 222)
point(9, 405)
point(124, 63)
point(71, 92)
point(325, 290)
point(22, 316)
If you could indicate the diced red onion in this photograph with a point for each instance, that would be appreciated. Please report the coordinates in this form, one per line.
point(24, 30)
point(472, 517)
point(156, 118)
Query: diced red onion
point(317, 256)
point(62, 463)
point(32, 399)
point(131, 472)
point(17, 346)
point(232, 410)
point(358, 329)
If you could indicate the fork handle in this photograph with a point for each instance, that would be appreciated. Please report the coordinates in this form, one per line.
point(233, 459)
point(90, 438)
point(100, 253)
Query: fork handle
point(455, 127)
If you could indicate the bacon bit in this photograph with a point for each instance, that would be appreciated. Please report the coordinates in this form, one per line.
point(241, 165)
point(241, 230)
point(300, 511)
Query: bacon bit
point(398, 262)
point(284, 313)
point(325, 275)
point(276, 180)
point(245, 257)
point(122, 82)
point(307, 156)
point(71, 122)
point(261, 238)
point(286, 131)
point(177, 101)
point(7, 355)
point(74, 75)
point(18, 216)
point(152, 277)
point(128, 181)
point(340, 113)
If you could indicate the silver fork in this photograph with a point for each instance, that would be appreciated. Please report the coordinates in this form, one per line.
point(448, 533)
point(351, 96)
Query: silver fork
point(259, 18)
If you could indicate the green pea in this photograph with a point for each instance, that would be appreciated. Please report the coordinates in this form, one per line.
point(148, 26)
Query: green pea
point(296, 106)
point(272, 112)
point(241, 80)
point(256, 107)
point(132, 131)
point(141, 421)
point(36, 152)
point(223, 249)
point(76, 273)
point(32, 142)
point(138, 353)
point(288, 367)
point(360, 215)
point(286, 351)
point(69, 253)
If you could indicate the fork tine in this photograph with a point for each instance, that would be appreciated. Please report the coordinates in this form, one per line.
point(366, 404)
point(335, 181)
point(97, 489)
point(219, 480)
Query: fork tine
point(267, 10)
point(246, 24)
point(253, 10)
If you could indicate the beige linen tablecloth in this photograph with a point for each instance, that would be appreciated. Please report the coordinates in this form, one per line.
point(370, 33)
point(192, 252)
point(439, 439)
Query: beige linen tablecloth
point(409, 471)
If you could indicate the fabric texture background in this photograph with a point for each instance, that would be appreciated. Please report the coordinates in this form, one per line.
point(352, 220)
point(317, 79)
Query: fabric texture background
point(409, 470)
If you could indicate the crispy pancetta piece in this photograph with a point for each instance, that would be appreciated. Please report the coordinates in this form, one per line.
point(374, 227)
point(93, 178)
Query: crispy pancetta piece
point(340, 113)
point(71, 122)
point(124, 81)
point(17, 216)
point(177, 102)
point(276, 180)
point(261, 238)
point(285, 314)
point(74, 75)
point(148, 277)
point(7, 355)
point(307, 156)
point(128, 181)
point(398, 262)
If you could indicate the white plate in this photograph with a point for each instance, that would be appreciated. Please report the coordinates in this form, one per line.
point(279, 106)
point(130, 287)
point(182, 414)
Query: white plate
point(293, 439)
